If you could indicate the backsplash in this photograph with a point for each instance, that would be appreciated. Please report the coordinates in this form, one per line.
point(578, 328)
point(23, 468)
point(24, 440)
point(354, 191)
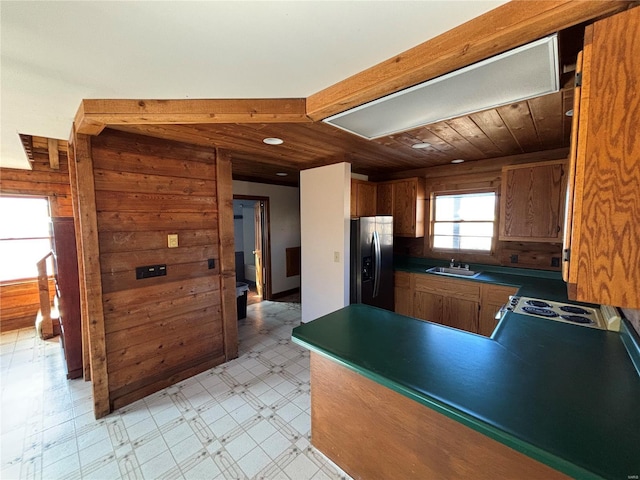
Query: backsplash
point(634, 318)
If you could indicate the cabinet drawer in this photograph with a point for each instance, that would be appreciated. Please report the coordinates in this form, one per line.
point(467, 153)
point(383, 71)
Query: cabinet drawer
point(448, 287)
point(402, 280)
point(497, 294)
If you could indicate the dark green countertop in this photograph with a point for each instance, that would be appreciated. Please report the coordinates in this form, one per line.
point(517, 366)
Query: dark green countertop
point(566, 395)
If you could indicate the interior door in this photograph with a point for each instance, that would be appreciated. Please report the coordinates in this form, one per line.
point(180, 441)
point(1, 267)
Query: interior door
point(257, 216)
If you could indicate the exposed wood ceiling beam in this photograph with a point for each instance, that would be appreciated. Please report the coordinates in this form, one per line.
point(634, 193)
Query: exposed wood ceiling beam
point(508, 26)
point(94, 115)
point(54, 156)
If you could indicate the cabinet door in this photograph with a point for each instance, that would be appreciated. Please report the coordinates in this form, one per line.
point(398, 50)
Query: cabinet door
point(384, 199)
point(404, 209)
point(493, 298)
point(428, 306)
point(462, 314)
point(403, 294)
point(532, 202)
point(363, 198)
point(604, 257)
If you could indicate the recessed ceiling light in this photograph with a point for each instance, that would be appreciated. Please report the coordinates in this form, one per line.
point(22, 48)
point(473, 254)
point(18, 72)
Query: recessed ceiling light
point(273, 141)
point(282, 174)
point(421, 145)
point(457, 160)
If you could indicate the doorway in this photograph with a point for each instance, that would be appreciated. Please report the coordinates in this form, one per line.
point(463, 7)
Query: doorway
point(253, 245)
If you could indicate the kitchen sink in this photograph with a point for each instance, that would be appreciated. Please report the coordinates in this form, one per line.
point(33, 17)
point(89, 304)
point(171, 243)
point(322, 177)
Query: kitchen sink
point(454, 271)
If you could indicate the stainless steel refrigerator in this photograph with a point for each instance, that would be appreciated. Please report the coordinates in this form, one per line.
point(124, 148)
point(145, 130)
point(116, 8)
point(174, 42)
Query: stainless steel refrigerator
point(372, 261)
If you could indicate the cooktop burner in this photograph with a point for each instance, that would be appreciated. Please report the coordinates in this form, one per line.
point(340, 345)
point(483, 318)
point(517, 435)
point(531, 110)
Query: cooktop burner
point(543, 312)
point(572, 314)
point(574, 309)
point(538, 303)
point(577, 319)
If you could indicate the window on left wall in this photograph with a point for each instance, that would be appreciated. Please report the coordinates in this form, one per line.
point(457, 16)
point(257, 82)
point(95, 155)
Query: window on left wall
point(25, 236)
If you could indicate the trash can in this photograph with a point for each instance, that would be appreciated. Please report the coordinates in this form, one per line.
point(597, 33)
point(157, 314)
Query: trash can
point(242, 291)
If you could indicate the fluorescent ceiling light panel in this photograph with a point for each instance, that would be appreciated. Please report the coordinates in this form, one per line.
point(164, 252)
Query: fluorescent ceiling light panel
point(519, 74)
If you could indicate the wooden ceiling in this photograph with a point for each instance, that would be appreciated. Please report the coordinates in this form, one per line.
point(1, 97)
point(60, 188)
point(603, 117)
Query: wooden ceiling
point(523, 127)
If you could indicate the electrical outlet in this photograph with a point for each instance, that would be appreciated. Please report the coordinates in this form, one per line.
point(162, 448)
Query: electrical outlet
point(514, 258)
point(555, 261)
point(172, 240)
point(211, 263)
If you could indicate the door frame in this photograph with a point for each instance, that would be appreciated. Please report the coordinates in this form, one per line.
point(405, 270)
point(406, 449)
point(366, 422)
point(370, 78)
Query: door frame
point(266, 242)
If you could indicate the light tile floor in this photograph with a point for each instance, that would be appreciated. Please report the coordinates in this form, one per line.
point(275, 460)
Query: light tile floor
point(248, 418)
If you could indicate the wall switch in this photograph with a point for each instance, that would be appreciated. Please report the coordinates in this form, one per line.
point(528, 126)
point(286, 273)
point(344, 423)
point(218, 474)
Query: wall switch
point(211, 263)
point(172, 240)
point(336, 257)
point(151, 271)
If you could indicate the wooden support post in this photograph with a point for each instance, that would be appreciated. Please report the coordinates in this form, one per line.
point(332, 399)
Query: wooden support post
point(84, 314)
point(86, 200)
point(227, 255)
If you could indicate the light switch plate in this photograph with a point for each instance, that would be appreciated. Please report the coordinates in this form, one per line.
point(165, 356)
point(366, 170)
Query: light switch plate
point(336, 257)
point(172, 240)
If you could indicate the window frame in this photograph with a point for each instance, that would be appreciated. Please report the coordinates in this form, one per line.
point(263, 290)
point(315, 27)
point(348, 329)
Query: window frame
point(464, 191)
point(19, 280)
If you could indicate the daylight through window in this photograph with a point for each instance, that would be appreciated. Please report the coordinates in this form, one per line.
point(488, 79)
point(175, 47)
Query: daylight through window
point(464, 221)
point(24, 236)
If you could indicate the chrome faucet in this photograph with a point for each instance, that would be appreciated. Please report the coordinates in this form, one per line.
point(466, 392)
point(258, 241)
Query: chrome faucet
point(452, 264)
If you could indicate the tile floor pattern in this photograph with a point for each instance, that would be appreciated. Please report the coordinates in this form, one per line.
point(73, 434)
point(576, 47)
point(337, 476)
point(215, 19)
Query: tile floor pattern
point(249, 418)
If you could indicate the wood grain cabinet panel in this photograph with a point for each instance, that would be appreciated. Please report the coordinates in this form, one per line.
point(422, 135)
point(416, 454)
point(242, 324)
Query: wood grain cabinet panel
point(603, 247)
point(493, 297)
point(363, 198)
point(532, 202)
point(454, 303)
point(403, 294)
point(405, 200)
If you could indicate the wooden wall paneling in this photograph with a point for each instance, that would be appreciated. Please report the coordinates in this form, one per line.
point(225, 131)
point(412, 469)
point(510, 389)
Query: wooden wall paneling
point(227, 256)
point(508, 26)
point(123, 309)
point(20, 304)
point(92, 273)
point(84, 316)
point(165, 327)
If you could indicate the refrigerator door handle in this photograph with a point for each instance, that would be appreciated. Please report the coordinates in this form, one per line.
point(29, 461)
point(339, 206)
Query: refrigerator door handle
point(377, 262)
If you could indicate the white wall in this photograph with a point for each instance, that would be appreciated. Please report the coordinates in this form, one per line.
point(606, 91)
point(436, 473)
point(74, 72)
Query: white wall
point(285, 227)
point(325, 213)
point(249, 234)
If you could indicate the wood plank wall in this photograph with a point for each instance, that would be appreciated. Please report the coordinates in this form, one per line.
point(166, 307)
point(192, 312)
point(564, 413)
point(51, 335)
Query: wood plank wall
point(482, 175)
point(20, 302)
point(163, 329)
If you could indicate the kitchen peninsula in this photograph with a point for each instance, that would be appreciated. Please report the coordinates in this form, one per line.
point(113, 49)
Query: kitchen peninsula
point(397, 397)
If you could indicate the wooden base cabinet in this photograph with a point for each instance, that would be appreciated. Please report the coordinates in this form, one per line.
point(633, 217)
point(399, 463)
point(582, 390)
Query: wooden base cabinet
point(492, 299)
point(602, 247)
point(403, 294)
point(455, 303)
point(373, 432)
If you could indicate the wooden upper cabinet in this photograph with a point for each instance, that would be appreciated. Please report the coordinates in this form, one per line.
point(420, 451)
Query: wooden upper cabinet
point(363, 198)
point(532, 202)
point(384, 200)
point(405, 200)
point(604, 242)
